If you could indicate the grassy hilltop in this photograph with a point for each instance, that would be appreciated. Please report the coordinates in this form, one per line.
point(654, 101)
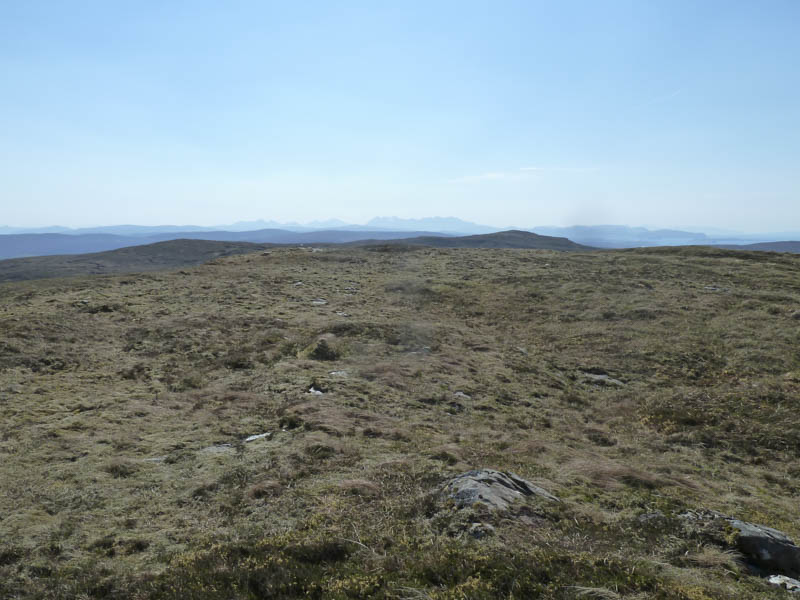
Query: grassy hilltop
point(627, 383)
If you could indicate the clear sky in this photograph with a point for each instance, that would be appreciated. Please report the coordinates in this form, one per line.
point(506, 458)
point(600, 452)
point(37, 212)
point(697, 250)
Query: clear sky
point(661, 113)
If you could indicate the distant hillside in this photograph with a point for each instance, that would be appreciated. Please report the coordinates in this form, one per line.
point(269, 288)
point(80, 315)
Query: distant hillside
point(280, 236)
point(620, 236)
point(793, 247)
point(502, 239)
point(40, 244)
point(152, 257)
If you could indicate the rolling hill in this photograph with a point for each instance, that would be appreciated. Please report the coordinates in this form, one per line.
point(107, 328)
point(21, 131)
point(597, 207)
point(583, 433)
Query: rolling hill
point(173, 254)
point(40, 244)
point(793, 247)
point(502, 239)
point(151, 257)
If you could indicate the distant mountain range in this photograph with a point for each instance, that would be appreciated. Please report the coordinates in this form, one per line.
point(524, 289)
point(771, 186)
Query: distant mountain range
point(19, 242)
point(450, 225)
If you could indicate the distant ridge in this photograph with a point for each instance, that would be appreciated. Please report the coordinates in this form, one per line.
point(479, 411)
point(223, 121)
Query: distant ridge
point(39, 244)
point(793, 247)
point(503, 239)
point(160, 256)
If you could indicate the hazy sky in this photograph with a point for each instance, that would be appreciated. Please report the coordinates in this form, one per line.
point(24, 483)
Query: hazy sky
point(529, 113)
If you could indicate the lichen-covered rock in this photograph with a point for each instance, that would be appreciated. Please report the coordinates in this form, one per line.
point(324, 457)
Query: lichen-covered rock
point(494, 489)
point(787, 583)
point(765, 548)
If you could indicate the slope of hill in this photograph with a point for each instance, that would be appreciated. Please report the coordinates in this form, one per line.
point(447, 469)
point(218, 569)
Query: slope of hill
point(25, 245)
point(198, 249)
point(502, 239)
point(151, 257)
point(284, 426)
point(43, 244)
point(788, 246)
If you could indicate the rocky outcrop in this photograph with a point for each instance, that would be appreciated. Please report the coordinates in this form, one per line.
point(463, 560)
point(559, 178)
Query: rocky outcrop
point(787, 583)
point(766, 549)
point(496, 490)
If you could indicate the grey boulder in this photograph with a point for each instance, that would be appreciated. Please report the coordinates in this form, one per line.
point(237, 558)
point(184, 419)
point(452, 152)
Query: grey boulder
point(765, 548)
point(768, 548)
point(787, 583)
point(495, 489)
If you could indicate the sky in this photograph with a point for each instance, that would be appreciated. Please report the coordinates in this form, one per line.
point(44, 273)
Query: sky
point(658, 113)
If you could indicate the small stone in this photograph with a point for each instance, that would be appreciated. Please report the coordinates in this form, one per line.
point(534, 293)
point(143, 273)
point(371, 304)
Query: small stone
point(602, 379)
point(462, 395)
point(319, 302)
point(796, 315)
point(651, 517)
point(314, 391)
point(257, 436)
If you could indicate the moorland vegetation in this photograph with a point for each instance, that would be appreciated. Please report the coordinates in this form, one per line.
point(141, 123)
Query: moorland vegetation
point(280, 424)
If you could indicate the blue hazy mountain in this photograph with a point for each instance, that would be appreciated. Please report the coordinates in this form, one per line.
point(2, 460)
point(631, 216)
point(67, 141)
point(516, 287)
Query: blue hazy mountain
point(441, 224)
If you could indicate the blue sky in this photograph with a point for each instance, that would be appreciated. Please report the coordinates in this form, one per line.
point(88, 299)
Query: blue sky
point(660, 113)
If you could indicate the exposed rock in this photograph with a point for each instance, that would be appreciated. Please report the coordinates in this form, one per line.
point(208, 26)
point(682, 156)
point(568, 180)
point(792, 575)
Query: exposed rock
point(796, 315)
point(155, 459)
point(218, 449)
point(787, 583)
point(258, 436)
point(651, 517)
point(495, 489)
point(602, 379)
point(314, 391)
point(319, 302)
point(766, 549)
point(462, 395)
